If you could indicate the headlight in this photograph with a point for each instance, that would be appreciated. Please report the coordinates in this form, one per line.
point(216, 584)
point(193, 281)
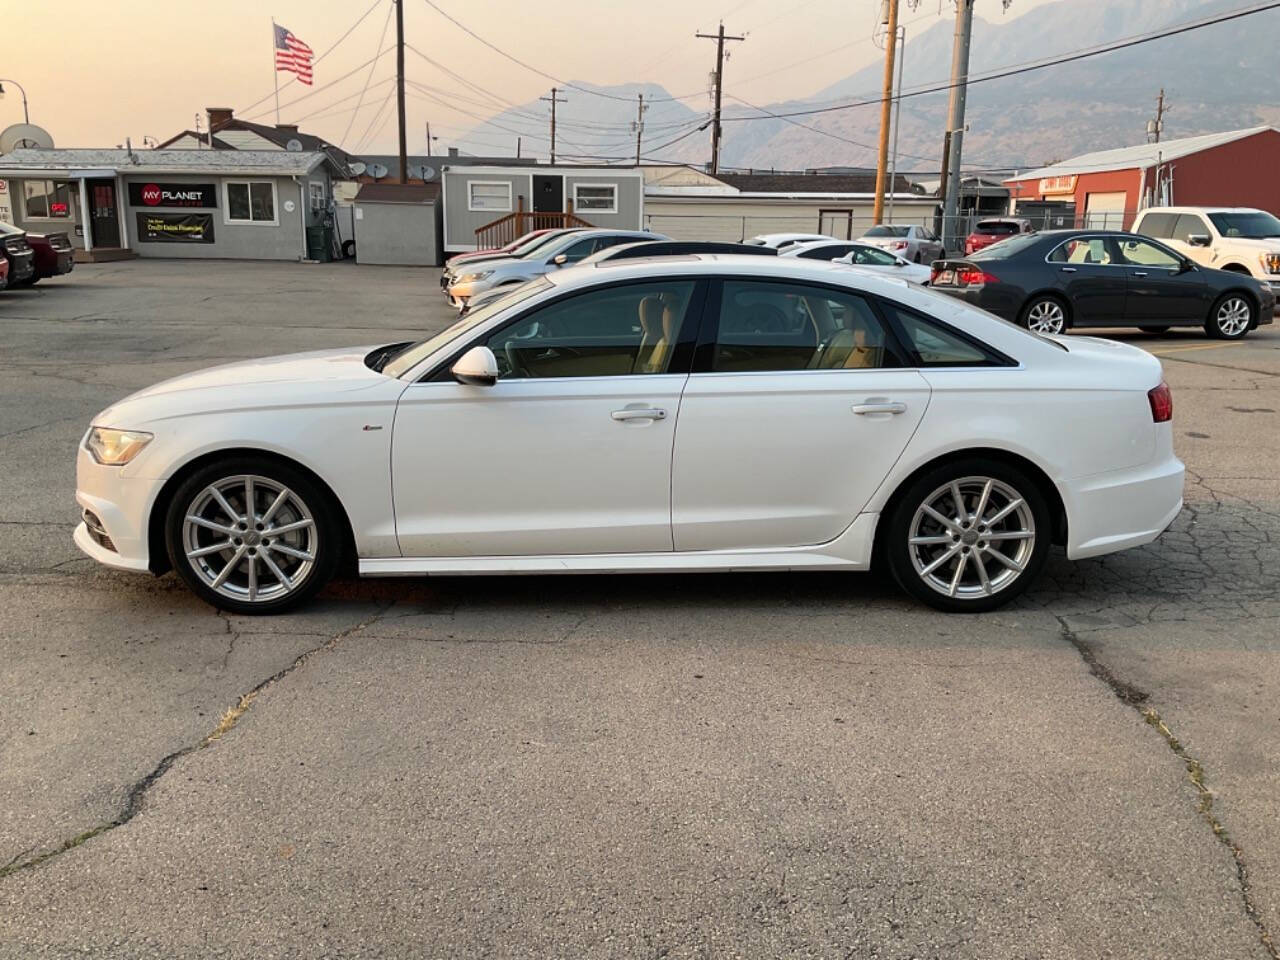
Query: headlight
point(115, 448)
point(1270, 262)
point(473, 277)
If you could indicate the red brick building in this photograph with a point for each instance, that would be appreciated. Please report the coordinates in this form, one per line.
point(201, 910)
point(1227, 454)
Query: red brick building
point(1108, 187)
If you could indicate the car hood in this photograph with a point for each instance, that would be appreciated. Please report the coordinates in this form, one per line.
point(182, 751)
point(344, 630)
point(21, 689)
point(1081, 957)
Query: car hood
point(484, 263)
point(1254, 243)
point(317, 377)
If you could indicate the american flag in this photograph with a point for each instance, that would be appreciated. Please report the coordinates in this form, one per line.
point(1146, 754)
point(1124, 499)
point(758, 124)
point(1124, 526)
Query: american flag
point(292, 54)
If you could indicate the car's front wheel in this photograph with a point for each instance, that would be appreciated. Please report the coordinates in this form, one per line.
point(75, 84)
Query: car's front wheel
point(252, 536)
point(968, 536)
point(1230, 318)
point(1045, 315)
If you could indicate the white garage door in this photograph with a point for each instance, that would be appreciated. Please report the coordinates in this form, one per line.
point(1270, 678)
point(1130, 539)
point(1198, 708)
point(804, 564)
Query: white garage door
point(1104, 211)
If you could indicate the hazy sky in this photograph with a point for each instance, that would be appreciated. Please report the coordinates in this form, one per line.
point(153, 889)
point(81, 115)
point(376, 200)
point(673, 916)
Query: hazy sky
point(145, 67)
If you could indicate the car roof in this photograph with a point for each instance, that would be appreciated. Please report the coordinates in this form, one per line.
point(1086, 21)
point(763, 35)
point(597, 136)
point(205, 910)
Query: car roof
point(1201, 210)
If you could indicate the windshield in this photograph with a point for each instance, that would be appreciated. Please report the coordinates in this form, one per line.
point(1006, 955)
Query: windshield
point(994, 227)
point(886, 230)
point(1006, 248)
point(424, 348)
point(1252, 225)
point(531, 245)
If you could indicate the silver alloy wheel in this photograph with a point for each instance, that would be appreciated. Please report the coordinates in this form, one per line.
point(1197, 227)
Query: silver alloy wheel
point(1046, 316)
point(250, 538)
point(972, 537)
point(1233, 316)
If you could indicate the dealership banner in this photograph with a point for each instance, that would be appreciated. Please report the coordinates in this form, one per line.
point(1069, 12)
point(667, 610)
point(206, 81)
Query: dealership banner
point(175, 227)
point(173, 195)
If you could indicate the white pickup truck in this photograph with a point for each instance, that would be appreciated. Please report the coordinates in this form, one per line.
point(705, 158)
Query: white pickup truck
point(1241, 239)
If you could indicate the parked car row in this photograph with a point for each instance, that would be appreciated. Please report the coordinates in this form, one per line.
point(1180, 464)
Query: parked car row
point(26, 258)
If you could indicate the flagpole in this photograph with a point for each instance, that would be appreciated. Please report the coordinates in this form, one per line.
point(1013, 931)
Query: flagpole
point(275, 74)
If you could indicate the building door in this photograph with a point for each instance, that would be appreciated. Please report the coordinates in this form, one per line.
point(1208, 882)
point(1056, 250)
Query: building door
point(548, 194)
point(103, 216)
point(836, 223)
point(1104, 211)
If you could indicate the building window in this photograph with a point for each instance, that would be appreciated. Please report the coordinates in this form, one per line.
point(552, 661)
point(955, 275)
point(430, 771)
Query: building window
point(595, 197)
point(492, 195)
point(48, 199)
point(318, 203)
point(251, 201)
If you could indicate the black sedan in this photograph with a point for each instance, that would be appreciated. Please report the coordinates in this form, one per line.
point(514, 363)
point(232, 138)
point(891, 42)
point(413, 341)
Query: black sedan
point(15, 249)
point(1058, 279)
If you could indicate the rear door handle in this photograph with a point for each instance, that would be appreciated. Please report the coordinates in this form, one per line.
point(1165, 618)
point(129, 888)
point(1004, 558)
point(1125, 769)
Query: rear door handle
point(1139, 273)
point(879, 406)
point(1068, 269)
point(639, 413)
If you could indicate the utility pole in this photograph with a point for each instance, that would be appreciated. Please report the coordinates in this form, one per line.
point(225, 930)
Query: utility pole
point(1156, 127)
point(719, 37)
point(897, 116)
point(428, 138)
point(886, 106)
point(554, 100)
point(639, 124)
point(404, 159)
point(955, 123)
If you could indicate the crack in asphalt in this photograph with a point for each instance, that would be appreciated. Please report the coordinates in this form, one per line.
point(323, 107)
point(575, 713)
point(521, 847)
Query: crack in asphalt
point(137, 793)
point(1136, 698)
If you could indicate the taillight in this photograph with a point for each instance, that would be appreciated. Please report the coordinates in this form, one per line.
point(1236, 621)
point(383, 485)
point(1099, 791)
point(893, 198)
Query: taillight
point(933, 276)
point(898, 245)
point(973, 277)
point(1161, 400)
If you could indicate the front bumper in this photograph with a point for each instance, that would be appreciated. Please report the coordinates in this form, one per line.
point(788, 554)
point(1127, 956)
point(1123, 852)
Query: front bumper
point(120, 505)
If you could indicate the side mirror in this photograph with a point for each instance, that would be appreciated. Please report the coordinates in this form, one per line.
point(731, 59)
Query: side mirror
point(1198, 239)
point(899, 262)
point(477, 367)
point(1186, 266)
point(561, 260)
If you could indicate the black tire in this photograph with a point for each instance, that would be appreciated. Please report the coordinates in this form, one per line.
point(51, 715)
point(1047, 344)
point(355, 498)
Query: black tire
point(348, 249)
point(1041, 305)
point(1223, 322)
point(322, 541)
point(909, 563)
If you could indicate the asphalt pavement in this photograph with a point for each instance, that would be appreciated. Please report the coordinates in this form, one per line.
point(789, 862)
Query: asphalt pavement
point(757, 765)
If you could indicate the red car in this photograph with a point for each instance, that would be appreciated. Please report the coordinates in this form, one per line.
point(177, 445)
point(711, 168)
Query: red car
point(54, 255)
point(496, 251)
point(987, 232)
point(4, 273)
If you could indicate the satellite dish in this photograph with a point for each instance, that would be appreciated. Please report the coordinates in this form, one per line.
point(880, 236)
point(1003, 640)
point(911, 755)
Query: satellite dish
point(378, 171)
point(428, 173)
point(294, 145)
point(356, 167)
point(24, 136)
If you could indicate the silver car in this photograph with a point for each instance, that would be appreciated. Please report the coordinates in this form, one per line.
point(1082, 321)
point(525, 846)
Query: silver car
point(911, 241)
point(569, 249)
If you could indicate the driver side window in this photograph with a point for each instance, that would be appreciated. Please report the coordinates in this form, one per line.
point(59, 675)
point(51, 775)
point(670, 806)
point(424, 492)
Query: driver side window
point(605, 332)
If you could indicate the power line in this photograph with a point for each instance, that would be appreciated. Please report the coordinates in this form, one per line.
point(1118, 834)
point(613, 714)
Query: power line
point(330, 50)
point(372, 67)
point(1030, 66)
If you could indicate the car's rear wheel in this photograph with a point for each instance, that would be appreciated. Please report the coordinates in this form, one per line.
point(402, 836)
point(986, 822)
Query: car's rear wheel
point(968, 536)
point(1045, 314)
point(1230, 318)
point(252, 536)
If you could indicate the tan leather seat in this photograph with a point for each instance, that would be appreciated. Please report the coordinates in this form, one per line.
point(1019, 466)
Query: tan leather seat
point(658, 321)
point(848, 350)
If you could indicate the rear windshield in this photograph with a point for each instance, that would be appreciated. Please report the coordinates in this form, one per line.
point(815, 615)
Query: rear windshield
point(1006, 248)
point(994, 227)
point(886, 230)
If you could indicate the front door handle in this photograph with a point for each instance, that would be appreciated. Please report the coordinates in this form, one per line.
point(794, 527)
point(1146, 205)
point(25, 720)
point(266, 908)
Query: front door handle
point(879, 406)
point(639, 413)
point(1068, 269)
point(1139, 273)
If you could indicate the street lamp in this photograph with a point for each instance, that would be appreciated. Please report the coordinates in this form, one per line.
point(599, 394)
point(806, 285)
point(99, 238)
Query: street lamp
point(25, 118)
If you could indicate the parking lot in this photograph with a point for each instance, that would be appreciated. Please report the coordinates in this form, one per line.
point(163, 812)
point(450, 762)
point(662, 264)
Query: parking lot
point(781, 765)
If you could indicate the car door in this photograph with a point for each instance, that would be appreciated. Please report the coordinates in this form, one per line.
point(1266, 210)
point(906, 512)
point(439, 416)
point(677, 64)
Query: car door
point(1089, 272)
point(800, 404)
point(1161, 288)
point(570, 451)
point(1190, 225)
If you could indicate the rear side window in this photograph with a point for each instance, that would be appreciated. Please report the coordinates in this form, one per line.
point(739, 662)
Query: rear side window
point(784, 326)
point(1093, 250)
point(936, 345)
point(1159, 225)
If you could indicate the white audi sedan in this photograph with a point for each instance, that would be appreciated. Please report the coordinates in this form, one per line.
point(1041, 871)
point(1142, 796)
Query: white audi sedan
point(684, 414)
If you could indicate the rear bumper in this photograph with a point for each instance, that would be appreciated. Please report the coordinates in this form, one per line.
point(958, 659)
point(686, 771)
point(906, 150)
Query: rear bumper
point(1123, 508)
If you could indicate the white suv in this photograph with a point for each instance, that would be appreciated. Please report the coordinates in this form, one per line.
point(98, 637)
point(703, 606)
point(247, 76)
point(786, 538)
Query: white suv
point(1240, 239)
